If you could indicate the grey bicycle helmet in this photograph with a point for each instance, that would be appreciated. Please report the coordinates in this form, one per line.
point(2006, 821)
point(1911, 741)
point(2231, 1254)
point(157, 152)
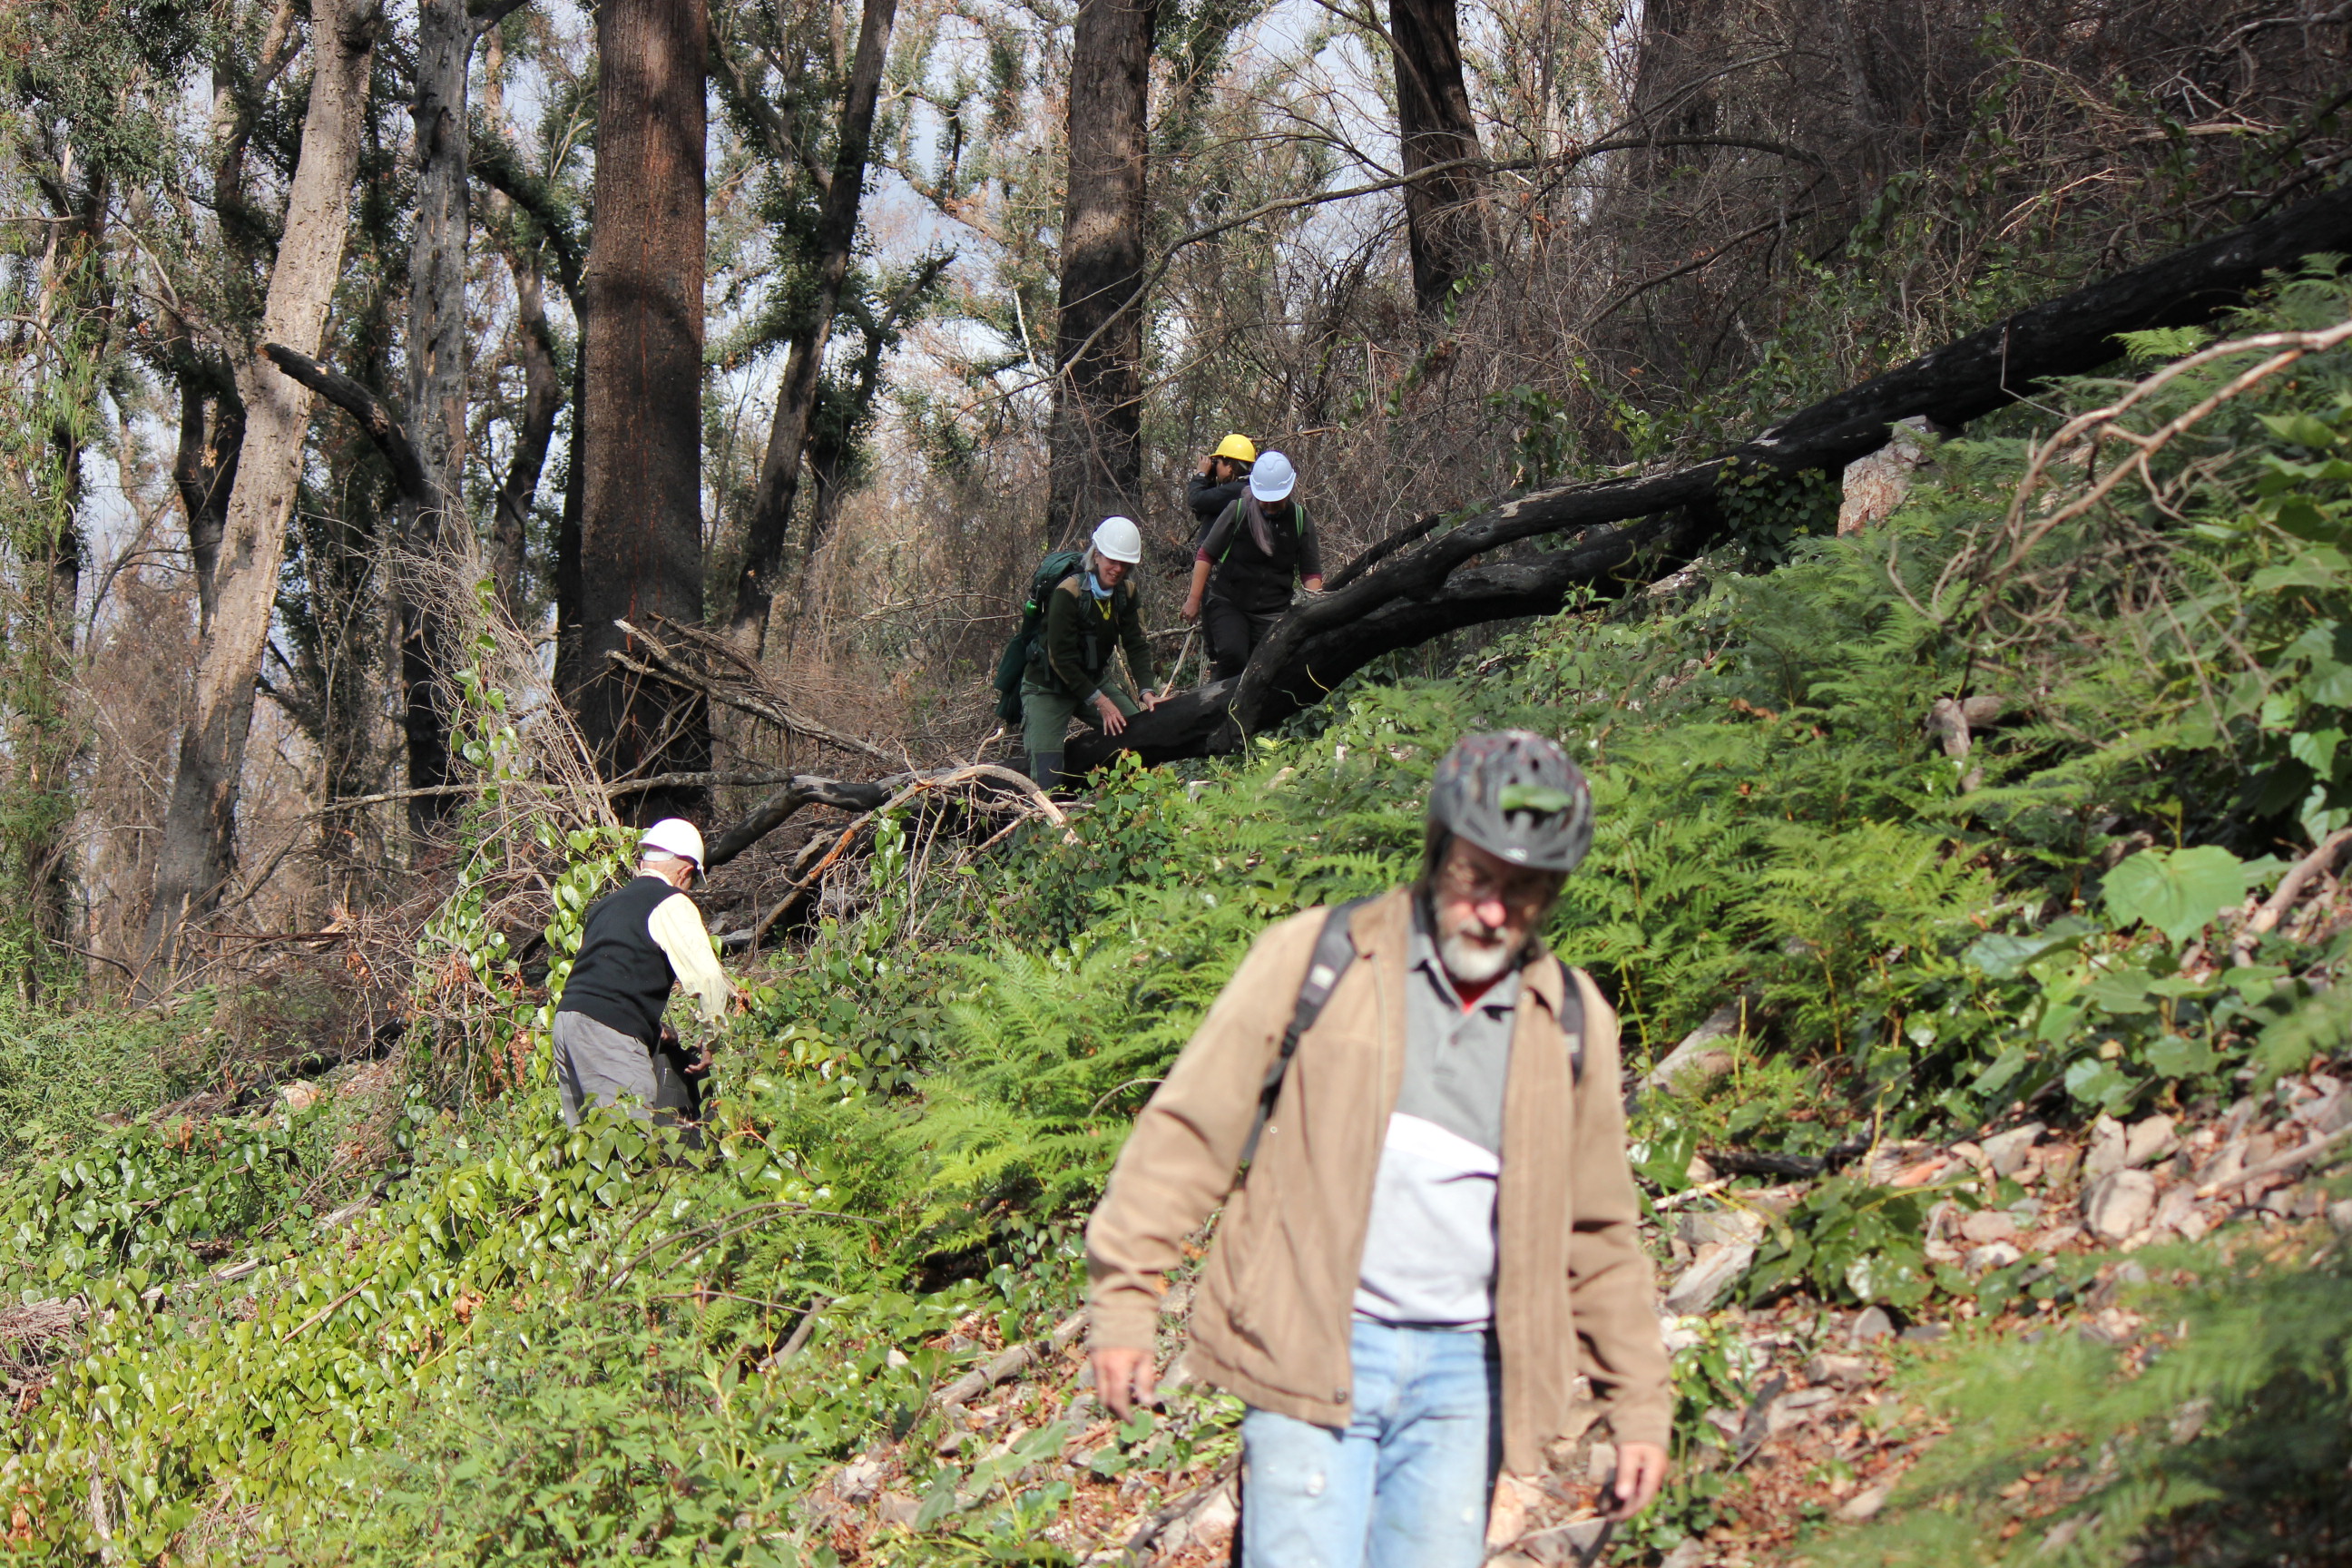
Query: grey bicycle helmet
point(1515, 795)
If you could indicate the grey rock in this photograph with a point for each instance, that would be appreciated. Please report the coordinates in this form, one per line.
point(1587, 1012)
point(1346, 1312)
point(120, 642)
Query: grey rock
point(1710, 1274)
point(1567, 1542)
point(2151, 1139)
point(898, 1509)
point(1871, 1324)
point(1925, 1333)
point(1992, 1255)
point(1839, 1370)
point(1686, 1066)
point(1723, 1227)
point(2110, 1147)
point(1989, 1225)
point(1864, 1504)
point(1691, 1554)
point(2176, 1211)
point(2339, 1215)
point(2118, 1205)
point(2006, 1153)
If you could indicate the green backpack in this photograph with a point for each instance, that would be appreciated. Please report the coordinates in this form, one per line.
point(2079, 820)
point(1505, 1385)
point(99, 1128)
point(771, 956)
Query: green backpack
point(1015, 663)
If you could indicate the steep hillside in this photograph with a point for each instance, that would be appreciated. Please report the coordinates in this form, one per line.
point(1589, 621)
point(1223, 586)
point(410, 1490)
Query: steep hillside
point(1981, 863)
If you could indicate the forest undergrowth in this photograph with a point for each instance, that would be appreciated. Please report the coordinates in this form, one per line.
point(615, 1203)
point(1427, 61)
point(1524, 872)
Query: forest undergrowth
point(366, 1325)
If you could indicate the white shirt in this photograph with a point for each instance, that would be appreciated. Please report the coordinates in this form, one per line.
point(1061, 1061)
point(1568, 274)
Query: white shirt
point(676, 926)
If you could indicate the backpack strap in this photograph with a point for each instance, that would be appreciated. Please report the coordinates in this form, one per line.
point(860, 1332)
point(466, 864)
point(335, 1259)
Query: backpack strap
point(1334, 951)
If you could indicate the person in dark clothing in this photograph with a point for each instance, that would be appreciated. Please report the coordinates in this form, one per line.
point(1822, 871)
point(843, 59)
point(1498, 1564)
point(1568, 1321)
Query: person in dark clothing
point(1245, 564)
point(1224, 480)
point(1089, 616)
point(635, 943)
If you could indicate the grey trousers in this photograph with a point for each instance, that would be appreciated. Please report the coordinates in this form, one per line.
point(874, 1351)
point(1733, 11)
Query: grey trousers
point(595, 1062)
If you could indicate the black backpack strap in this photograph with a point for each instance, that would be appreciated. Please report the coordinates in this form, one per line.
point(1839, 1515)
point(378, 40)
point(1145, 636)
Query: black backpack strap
point(1334, 951)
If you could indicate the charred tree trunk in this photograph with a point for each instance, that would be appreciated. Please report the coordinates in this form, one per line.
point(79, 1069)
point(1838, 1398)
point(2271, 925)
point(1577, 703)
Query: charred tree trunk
point(204, 468)
point(542, 400)
point(796, 399)
point(1096, 464)
point(436, 393)
point(640, 425)
point(199, 830)
point(1444, 213)
point(1669, 517)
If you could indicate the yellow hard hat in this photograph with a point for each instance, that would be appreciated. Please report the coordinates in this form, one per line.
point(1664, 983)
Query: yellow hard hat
point(1238, 447)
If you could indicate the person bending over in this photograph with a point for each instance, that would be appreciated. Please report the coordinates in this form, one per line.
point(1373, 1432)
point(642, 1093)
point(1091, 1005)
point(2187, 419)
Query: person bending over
point(635, 943)
point(1089, 616)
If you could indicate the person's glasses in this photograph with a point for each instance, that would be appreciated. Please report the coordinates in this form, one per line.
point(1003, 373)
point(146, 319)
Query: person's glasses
point(1519, 889)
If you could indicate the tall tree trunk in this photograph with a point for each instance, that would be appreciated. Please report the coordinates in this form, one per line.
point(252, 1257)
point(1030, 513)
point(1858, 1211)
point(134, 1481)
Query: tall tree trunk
point(570, 609)
point(544, 387)
point(199, 830)
point(640, 426)
point(836, 233)
point(1096, 464)
point(437, 391)
point(1445, 218)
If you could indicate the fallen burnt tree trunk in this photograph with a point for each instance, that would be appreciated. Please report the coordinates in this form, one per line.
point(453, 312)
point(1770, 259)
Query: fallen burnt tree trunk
point(1633, 530)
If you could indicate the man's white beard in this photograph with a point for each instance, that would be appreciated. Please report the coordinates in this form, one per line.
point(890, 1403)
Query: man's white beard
point(1475, 962)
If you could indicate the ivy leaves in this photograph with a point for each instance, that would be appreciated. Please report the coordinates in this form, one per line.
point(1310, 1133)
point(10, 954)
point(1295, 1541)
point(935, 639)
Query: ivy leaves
point(2177, 892)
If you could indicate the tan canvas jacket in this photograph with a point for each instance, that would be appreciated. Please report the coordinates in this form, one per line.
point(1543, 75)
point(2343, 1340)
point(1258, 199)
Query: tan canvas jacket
point(1273, 1314)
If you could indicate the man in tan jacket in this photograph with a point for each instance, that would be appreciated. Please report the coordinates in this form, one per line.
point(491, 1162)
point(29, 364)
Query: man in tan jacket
point(1437, 1230)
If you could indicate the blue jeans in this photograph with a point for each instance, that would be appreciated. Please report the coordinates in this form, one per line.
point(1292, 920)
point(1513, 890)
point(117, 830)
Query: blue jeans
point(1406, 1484)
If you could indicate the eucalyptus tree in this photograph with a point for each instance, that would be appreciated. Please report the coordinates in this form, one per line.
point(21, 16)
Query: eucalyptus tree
point(639, 425)
point(199, 830)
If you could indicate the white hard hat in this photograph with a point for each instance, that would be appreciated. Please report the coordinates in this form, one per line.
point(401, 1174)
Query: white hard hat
point(676, 835)
point(1274, 477)
point(1117, 539)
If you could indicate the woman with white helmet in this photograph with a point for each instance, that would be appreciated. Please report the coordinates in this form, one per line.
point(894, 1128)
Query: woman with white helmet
point(1088, 616)
point(1246, 563)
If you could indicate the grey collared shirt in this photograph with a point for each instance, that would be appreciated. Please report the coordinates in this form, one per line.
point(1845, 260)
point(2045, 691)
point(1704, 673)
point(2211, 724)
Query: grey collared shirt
point(1428, 1249)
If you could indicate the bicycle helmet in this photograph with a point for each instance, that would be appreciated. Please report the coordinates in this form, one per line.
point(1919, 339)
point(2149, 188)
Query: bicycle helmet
point(1514, 794)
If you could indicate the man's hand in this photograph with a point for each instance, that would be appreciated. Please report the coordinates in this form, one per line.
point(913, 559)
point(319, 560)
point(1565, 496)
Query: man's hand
point(1192, 610)
point(1312, 585)
point(1207, 465)
point(1114, 723)
point(1150, 700)
point(1640, 1471)
point(1125, 1379)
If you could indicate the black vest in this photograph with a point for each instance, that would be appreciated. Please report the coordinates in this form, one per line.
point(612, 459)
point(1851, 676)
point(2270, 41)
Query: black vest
point(621, 977)
point(1250, 579)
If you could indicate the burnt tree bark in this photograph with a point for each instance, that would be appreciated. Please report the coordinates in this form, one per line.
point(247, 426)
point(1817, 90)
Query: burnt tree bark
point(1096, 463)
point(549, 239)
point(1444, 213)
point(199, 828)
point(542, 401)
point(1669, 517)
point(796, 398)
point(640, 421)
